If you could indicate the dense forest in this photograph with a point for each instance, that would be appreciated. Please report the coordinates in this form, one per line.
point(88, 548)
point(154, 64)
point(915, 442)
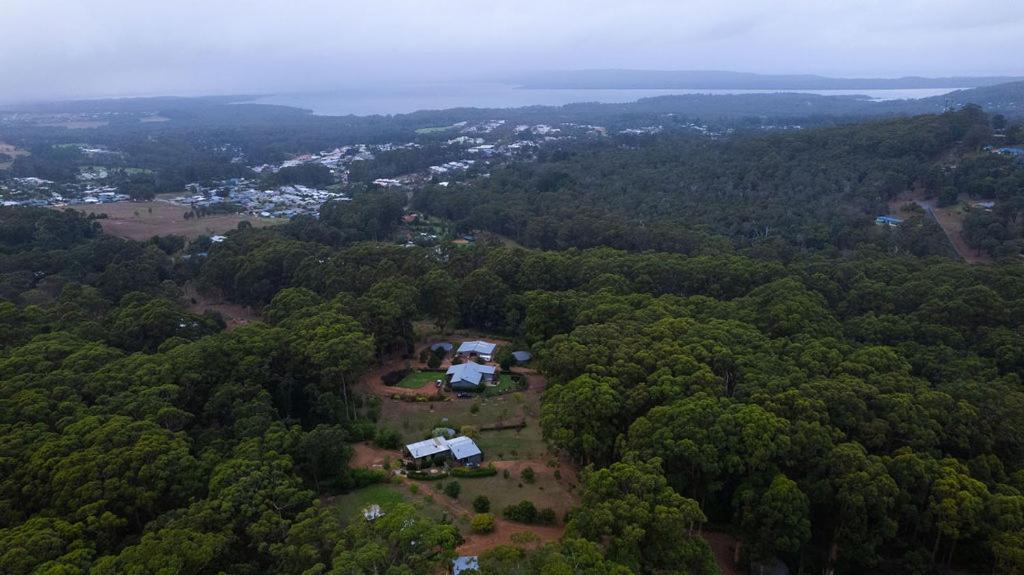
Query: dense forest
point(730, 345)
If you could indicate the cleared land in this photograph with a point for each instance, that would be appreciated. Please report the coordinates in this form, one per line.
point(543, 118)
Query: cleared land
point(950, 219)
point(143, 220)
point(13, 152)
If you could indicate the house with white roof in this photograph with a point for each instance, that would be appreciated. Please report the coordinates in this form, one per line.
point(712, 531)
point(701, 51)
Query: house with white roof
point(460, 450)
point(482, 349)
point(470, 376)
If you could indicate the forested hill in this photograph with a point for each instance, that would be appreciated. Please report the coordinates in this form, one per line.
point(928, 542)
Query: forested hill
point(773, 194)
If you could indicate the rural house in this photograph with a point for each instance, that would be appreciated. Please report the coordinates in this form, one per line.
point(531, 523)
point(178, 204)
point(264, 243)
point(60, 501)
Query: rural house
point(461, 451)
point(470, 376)
point(482, 349)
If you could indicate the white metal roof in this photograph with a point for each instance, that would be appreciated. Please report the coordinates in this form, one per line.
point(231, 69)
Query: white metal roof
point(479, 347)
point(463, 447)
point(427, 447)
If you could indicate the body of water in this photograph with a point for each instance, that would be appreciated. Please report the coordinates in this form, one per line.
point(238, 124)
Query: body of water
point(410, 98)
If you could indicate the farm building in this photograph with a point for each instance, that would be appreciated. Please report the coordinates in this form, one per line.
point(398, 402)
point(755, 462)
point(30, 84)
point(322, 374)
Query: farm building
point(469, 376)
point(482, 349)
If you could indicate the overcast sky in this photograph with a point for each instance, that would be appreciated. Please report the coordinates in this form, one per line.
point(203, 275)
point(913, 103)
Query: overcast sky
point(91, 48)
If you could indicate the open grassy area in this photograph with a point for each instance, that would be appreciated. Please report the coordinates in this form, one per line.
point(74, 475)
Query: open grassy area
point(414, 421)
point(386, 494)
point(418, 379)
point(143, 220)
point(546, 491)
point(506, 384)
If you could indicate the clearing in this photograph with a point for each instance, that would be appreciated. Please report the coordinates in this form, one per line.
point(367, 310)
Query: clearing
point(12, 151)
point(418, 379)
point(234, 314)
point(950, 219)
point(143, 220)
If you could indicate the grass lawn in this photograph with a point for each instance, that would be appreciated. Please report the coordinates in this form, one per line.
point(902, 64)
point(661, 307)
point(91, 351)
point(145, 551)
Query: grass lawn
point(505, 385)
point(386, 495)
point(418, 379)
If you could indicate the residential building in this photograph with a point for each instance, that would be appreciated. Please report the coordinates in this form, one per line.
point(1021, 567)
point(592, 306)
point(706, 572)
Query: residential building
point(470, 376)
point(482, 349)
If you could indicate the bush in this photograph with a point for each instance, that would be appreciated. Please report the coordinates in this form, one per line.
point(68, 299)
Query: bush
point(488, 471)
point(359, 477)
point(482, 523)
point(453, 489)
point(482, 504)
point(505, 473)
point(523, 512)
point(547, 516)
point(433, 362)
point(393, 377)
point(528, 475)
point(387, 438)
point(424, 476)
point(475, 408)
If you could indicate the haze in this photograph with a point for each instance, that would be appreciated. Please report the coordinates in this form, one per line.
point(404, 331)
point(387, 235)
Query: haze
point(53, 49)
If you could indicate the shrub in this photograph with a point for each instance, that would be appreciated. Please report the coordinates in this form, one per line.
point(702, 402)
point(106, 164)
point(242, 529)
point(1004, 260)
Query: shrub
point(528, 475)
point(546, 516)
point(393, 377)
point(482, 504)
point(433, 362)
point(488, 471)
point(358, 478)
point(387, 438)
point(470, 431)
point(558, 475)
point(482, 523)
point(424, 476)
point(523, 512)
point(413, 488)
point(505, 473)
point(453, 489)
point(475, 408)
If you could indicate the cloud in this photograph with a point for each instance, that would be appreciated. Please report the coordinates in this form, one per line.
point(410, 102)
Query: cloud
point(76, 48)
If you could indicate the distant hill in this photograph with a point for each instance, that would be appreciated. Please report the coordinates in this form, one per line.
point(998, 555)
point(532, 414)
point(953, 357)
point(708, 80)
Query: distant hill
point(719, 80)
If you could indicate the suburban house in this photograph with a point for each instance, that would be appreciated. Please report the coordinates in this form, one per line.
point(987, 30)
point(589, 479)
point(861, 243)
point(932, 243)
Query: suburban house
point(470, 376)
point(464, 563)
point(890, 221)
point(460, 450)
point(482, 349)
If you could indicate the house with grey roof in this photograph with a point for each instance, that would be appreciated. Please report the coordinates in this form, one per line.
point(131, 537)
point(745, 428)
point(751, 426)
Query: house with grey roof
point(465, 451)
point(460, 450)
point(470, 376)
point(482, 349)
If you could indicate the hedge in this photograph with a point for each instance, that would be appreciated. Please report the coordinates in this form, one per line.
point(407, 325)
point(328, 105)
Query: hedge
point(424, 476)
point(474, 471)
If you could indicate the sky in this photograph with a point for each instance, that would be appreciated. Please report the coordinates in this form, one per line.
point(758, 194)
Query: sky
point(59, 49)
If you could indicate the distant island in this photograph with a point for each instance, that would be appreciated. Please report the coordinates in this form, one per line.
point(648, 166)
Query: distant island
point(721, 80)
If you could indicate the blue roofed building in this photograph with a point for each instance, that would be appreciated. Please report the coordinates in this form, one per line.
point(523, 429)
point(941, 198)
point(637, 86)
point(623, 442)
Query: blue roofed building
point(482, 349)
point(470, 376)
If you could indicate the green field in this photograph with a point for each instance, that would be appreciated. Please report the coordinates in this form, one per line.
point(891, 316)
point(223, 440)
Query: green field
point(418, 379)
point(505, 385)
point(385, 494)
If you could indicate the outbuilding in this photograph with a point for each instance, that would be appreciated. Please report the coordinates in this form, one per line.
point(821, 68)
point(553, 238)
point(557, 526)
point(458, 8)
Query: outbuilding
point(482, 349)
